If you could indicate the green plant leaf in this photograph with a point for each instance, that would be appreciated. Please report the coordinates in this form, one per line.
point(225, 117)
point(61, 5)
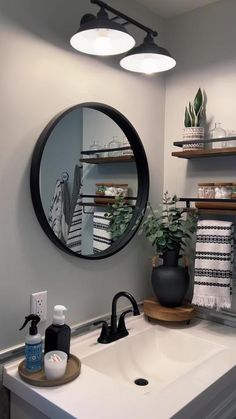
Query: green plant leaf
point(192, 114)
point(119, 215)
point(198, 102)
point(187, 118)
point(171, 228)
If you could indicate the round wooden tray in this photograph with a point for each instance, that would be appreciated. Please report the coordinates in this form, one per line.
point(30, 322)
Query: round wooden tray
point(39, 379)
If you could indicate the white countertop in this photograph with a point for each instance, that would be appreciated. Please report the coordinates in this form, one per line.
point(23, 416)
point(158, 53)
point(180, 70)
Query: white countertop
point(96, 396)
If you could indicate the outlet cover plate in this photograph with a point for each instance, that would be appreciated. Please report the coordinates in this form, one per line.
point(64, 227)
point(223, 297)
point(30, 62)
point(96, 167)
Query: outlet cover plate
point(39, 304)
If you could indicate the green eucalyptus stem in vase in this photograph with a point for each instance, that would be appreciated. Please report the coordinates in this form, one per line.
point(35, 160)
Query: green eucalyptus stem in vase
point(168, 230)
point(119, 214)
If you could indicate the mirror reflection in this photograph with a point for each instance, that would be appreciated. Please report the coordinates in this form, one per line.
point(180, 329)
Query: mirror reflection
point(88, 181)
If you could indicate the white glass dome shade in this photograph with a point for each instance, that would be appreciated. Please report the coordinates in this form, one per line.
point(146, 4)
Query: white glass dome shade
point(98, 35)
point(148, 58)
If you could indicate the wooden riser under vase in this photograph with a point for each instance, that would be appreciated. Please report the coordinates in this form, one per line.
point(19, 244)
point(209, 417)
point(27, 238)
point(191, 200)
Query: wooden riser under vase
point(153, 310)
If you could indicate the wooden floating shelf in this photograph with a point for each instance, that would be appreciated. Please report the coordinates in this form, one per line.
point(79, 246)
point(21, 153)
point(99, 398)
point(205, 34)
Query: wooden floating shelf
point(212, 206)
point(153, 310)
point(105, 160)
point(216, 205)
point(217, 211)
point(193, 154)
point(228, 208)
point(212, 200)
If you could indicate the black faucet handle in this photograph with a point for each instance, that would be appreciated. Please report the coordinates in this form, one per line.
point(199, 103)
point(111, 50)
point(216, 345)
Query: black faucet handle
point(105, 332)
point(121, 324)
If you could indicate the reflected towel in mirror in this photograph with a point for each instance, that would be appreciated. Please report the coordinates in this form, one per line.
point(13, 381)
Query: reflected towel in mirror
point(74, 234)
point(101, 234)
point(59, 212)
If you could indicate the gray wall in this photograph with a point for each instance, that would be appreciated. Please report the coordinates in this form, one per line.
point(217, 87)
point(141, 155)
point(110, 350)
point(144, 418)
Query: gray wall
point(203, 43)
point(40, 76)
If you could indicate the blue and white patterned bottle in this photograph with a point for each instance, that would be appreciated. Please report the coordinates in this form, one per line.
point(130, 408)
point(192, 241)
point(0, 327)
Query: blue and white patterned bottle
point(33, 345)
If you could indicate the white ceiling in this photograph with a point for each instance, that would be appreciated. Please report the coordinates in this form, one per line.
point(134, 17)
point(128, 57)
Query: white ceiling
point(169, 8)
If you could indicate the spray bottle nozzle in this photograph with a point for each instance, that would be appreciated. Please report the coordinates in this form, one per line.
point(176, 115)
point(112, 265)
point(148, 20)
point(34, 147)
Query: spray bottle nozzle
point(35, 319)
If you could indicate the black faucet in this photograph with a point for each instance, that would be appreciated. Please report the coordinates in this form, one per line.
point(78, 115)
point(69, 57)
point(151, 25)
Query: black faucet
point(113, 332)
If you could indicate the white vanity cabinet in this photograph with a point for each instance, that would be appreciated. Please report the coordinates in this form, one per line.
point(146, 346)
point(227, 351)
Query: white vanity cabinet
point(20, 409)
point(191, 372)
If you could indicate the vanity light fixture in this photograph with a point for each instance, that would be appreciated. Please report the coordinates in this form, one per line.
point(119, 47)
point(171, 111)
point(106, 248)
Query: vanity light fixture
point(99, 35)
point(148, 58)
point(104, 36)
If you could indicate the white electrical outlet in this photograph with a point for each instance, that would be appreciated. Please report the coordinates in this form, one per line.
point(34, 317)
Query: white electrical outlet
point(39, 304)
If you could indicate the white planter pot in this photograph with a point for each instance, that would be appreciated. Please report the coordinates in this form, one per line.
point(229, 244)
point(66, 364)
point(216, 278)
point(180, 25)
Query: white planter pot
point(193, 133)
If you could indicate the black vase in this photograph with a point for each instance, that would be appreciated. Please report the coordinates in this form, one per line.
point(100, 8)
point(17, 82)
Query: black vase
point(169, 281)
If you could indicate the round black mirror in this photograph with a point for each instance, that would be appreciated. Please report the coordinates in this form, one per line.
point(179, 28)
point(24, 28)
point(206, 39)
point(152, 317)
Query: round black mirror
point(89, 180)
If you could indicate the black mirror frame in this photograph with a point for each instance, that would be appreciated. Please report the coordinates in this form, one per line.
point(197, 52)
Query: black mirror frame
point(142, 170)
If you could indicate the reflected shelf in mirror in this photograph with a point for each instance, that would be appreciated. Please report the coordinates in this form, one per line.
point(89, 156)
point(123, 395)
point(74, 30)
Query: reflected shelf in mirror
point(94, 205)
point(104, 160)
point(108, 201)
point(99, 158)
point(103, 150)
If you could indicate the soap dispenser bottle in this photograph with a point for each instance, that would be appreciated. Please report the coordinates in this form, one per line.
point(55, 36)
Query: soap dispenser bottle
point(33, 345)
point(57, 336)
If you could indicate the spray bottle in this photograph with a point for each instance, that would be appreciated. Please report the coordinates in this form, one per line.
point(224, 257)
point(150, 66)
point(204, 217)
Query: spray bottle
point(57, 336)
point(33, 345)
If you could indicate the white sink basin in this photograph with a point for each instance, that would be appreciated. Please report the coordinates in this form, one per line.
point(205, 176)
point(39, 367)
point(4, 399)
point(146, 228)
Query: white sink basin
point(158, 354)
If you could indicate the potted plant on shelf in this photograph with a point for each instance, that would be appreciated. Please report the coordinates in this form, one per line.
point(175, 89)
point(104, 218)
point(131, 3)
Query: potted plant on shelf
point(168, 230)
point(193, 115)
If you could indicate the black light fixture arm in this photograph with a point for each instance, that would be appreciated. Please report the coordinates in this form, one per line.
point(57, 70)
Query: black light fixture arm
point(125, 17)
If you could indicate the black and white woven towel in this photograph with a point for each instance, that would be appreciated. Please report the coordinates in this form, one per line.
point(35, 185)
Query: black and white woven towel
point(74, 239)
point(213, 264)
point(101, 232)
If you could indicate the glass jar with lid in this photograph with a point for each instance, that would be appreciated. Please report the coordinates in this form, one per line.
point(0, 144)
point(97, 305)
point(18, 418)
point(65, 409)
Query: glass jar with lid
point(218, 132)
point(200, 190)
point(125, 143)
point(233, 190)
point(223, 190)
point(231, 133)
point(105, 149)
point(95, 146)
point(206, 190)
point(114, 143)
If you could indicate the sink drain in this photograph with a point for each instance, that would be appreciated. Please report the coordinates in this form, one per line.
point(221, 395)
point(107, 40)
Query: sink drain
point(141, 382)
